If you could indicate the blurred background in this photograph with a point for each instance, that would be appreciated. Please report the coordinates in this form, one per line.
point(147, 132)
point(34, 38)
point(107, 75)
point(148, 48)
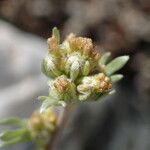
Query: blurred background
point(120, 26)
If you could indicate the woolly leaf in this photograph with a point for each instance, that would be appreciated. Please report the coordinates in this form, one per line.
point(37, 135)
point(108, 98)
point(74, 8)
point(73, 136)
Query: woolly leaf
point(13, 121)
point(9, 135)
point(105, 57)
point(116, 77)
point(115, 65)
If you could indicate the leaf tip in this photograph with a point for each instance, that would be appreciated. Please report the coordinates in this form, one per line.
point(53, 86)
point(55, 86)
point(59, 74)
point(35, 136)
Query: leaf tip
point(55, 29)
point(126, 58)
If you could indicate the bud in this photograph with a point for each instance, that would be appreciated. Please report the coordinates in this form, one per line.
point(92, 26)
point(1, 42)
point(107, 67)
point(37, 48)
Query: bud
point(74, 71)
point(86, 68)
point(49, 116)
point(61, 84)
point(50, 67)
point(66, 44)
point(81, 51)
point(62, 89)
point(84, 45)
point(85, 92)
point(36, 121)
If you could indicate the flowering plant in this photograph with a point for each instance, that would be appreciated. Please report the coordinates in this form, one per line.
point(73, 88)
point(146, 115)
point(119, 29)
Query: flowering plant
point(77, 73)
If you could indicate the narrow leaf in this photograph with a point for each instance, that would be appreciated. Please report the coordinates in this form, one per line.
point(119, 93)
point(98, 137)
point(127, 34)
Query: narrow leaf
point(9, 135)
point(13, 141)
point(116, 77)
point(12, 121)
point(116, 64)
point(42, 98)
point(105, 57)
point(56, 34)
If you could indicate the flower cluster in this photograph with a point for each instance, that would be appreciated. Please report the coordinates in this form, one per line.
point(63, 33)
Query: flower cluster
point(62, 91)
point(42, 126)
point(77, 71)
point(95, 84)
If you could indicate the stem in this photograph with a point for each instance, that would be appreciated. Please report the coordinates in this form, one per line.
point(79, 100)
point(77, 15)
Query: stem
point(63, 115)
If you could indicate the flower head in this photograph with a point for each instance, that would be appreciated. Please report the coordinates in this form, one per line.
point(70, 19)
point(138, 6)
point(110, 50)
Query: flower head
point(91, 85)
point(42, 126)
point(62, 90)
point(43, 121)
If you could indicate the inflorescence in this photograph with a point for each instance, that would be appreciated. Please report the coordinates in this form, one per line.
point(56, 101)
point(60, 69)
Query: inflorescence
point(77, 72)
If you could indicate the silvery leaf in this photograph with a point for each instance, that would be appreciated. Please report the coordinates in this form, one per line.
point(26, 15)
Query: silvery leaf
point(9, 135)
point(116, 77)
point(13, 121)
point(116, 65)
point(104, 58)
